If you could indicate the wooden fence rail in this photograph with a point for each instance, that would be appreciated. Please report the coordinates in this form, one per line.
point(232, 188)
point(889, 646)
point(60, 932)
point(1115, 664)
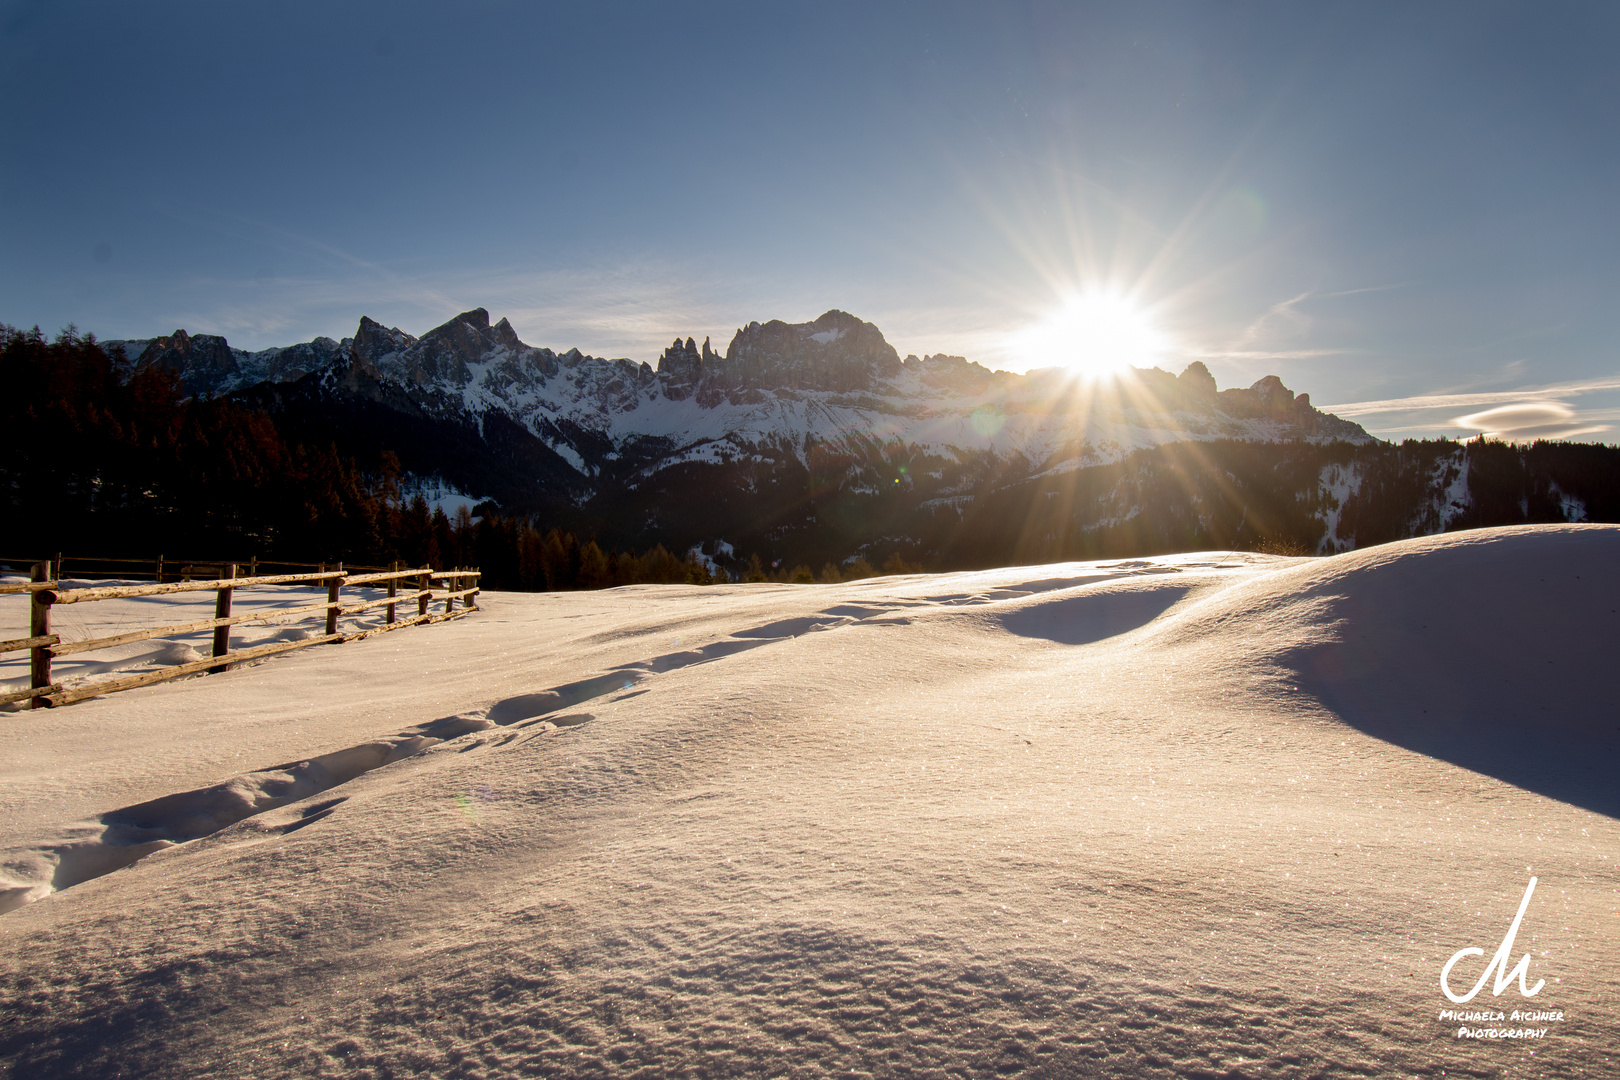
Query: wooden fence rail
point(168, 569)
point(45, 592)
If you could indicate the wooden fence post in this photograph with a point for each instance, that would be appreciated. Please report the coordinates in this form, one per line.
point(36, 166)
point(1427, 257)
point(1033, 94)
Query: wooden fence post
point(222, 610)
point(332, 587)
point(472, 601)
point(253, 567)
point(159, 575)
point(393, 588)
point(39, 625)
point(424, 585)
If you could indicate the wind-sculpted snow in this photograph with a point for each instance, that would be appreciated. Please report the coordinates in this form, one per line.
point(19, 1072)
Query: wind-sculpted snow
point(120, 837)
point(1195, 815)
point(1096, 614)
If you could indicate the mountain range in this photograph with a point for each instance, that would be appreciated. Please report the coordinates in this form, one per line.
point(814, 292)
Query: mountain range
point(817, 440)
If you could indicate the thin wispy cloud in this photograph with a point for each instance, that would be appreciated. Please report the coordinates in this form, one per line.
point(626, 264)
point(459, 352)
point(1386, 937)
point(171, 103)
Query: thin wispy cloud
point(1286, 311)
point(1257, 354)
point(1547, 433)
point(1359, 292)
point(1420, 402)
point(1289, 319)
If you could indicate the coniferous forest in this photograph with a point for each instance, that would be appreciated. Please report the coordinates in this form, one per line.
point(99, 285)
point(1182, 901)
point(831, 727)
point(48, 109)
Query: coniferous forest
point(99, 458)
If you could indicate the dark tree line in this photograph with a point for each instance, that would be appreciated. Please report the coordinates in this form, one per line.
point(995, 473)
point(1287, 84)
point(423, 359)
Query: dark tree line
point(93, 453)
point(98, 458)
point(514, 554)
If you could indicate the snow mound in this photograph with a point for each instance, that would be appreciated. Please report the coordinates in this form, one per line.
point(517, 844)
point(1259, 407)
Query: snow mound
point(1490, 649)
point(176, 652)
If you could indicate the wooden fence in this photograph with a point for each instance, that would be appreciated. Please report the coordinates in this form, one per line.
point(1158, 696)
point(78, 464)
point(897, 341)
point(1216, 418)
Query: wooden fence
point(45, 592)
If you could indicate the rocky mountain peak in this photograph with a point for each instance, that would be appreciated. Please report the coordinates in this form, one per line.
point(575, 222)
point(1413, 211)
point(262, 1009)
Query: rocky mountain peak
point(1267, 398)
point(1197, 383)
point(836, 352)
point(446, 350)
point(204, 362)
point(956, 373)
point(681, 362)
point(504, 336)
point(443, 356)
point(373, 341)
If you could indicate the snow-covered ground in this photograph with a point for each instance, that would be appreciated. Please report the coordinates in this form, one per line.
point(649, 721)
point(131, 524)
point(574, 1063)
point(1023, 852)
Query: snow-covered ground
point(1200, 815)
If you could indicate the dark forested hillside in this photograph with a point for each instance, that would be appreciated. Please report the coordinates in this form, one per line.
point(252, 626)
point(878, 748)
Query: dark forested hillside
point(93, 455)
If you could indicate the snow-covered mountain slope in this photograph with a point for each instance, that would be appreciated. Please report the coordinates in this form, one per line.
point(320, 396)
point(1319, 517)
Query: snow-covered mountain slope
point(833, 382)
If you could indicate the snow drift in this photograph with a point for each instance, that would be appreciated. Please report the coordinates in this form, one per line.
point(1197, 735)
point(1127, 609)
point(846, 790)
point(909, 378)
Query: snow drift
point(1490, 649)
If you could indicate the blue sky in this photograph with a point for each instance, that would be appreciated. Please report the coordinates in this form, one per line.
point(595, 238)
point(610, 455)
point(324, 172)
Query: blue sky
point(1410, 205)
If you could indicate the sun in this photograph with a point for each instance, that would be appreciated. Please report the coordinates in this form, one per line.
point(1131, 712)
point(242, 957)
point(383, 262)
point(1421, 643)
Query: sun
point(1094, 335)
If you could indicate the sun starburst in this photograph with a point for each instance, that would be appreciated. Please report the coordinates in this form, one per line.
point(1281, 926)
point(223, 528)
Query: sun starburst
point(1095, 335)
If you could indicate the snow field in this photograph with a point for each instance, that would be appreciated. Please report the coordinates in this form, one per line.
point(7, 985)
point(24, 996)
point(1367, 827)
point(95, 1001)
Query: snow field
point(1106, 819)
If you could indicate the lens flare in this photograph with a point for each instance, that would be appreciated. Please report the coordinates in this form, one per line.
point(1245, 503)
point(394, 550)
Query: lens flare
point(1094, 335)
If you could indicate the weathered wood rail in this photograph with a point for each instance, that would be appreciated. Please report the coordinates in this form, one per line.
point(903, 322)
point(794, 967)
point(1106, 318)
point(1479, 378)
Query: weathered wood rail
point(166, 569)
point(44, 593)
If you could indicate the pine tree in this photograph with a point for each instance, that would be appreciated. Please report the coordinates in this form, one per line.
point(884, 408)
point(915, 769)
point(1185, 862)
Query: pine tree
point(594, 570)
point(663, 568)
point(443, 545)
point(559, 561)
point(694, 571)
point(858, 569)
